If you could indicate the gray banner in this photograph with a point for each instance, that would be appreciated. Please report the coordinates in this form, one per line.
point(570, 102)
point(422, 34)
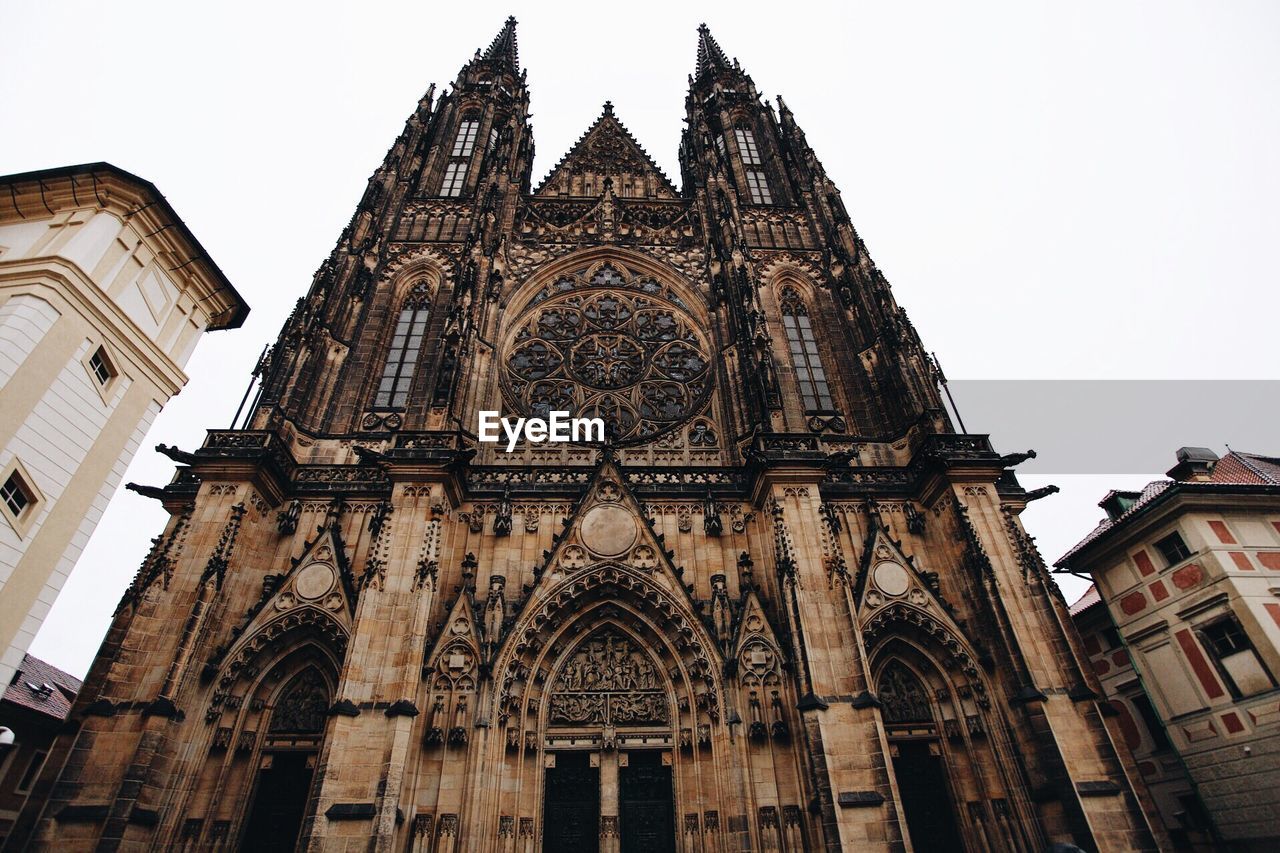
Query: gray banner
point(1119, 426)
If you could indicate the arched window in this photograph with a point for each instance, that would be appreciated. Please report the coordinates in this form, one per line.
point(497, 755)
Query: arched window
point(815, 393)
point(757, 183)
point(455, 171)
point(406, 346)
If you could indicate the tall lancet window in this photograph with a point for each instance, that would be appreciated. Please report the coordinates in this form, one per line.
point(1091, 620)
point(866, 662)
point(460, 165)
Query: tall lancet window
point(757, 183)
point(815, 393)
point(455, 171)
point(406, 346)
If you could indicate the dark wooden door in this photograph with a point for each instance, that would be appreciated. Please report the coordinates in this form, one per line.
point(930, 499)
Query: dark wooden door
point(922, 782)
point(646, 805)
point(571, 811)
point(279, 804)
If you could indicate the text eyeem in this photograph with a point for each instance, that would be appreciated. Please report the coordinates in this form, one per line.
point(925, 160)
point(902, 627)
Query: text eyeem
point(558, 427)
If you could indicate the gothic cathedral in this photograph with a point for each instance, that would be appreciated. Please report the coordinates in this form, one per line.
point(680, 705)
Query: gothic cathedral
point(782, 606)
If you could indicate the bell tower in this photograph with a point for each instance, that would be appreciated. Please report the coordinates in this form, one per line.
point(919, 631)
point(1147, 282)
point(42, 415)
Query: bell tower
point(783, 605)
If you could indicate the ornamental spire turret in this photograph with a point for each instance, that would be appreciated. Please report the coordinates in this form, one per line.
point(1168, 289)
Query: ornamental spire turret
point(503, 50)
point(710, 56)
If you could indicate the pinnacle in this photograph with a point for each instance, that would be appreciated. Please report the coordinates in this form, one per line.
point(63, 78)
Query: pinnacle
point(710, 56)
point(503, 48)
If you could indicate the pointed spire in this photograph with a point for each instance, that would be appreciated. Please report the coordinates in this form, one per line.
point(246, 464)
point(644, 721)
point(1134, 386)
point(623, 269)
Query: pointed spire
point(710, 56)
point(503, 48)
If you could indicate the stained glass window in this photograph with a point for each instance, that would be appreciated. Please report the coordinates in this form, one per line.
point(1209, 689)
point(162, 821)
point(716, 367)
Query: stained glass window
point(815, 393)
point(406, 346)
point(455, 171)
point(604, 342)
point(757, 183)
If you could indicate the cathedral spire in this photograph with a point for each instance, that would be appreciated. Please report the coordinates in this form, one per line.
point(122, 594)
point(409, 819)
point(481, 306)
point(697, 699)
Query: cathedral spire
point(503, 49)
point(710, 56)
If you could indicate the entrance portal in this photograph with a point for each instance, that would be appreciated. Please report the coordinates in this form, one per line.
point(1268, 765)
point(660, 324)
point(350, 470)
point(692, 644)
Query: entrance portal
point(571, 815)
point(645, 804)
point(922, 783)
point(279, 803)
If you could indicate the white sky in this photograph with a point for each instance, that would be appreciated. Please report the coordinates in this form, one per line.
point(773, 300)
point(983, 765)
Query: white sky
point(1087, 190)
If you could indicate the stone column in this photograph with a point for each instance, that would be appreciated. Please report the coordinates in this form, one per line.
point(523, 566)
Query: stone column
point(610, 760)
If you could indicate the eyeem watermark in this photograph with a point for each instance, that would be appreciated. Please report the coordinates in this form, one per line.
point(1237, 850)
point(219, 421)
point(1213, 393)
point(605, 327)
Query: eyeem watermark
point(558, 427)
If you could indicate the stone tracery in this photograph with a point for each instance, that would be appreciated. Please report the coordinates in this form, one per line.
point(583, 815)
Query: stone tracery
point(609, 344)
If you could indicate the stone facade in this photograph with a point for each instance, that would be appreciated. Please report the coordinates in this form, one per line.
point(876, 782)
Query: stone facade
point(1185, 571)
point(783, 607)
point(104, 294)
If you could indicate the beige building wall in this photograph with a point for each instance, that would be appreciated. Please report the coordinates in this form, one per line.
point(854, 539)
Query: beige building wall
point(104, 294)
point(1199, 616)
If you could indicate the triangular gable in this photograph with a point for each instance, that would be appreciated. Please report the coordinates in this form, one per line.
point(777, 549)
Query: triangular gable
point(607, 150)
point(757, 651)
point(453, 663)
point(316, 593)
point(758, 660)
point(893, 595)
point(886, 574)
point(609, 525)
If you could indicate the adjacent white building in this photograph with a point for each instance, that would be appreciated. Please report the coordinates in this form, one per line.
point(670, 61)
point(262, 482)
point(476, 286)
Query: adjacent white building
point(104, 293)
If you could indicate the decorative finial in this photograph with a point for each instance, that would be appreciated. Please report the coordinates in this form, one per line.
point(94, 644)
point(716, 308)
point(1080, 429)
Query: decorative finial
point(608, 108)
point(710, 56)
point(503, 48)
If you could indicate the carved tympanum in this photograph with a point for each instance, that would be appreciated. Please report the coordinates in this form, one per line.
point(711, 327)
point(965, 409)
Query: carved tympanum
point(302, 706)
point(903, 696)
point(608, 681)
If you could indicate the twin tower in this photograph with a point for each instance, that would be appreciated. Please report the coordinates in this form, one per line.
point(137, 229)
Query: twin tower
point(782, 606)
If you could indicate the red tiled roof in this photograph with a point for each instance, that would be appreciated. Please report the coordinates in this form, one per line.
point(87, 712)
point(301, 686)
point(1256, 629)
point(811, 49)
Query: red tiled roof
point(1089, 599)
point(43, 687)
point(1149, 493)
point(1235, 469)
point(1246, 468)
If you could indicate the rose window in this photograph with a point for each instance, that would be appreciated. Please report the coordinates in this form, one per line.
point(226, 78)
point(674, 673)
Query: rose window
point(607, 344)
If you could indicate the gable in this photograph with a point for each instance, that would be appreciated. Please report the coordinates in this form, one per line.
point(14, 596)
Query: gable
point(607, 151)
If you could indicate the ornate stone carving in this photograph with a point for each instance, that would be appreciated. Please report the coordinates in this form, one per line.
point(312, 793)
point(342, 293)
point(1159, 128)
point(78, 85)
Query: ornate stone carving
point(302, 706)
point(903, 696)
point(608, 681)
point(605, 343)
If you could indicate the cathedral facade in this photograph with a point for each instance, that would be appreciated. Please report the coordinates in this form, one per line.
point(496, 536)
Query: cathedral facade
point(784, 605)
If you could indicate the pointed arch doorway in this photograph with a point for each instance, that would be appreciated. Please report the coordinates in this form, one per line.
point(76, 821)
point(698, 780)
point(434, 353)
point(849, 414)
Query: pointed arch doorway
point(918, 761)
point(286, 765)
point(608, 784)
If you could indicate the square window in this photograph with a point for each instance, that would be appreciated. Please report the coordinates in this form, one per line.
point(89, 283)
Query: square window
point(98, 363)
point(19, 498)
point(1228, 645)
point(103, 371)
point(1225, 638)
point(15, 494)
point(1173, 549)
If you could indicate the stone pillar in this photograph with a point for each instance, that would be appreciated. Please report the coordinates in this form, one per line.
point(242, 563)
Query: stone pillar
point(610, 760)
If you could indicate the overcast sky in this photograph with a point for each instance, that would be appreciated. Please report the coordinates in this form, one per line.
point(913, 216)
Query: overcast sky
point(1086, 191)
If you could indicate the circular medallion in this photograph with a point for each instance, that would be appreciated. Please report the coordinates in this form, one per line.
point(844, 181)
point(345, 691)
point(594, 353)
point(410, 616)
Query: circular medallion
point(891, 578)
point(314, 581)
point(608, 529)
point(605, 343)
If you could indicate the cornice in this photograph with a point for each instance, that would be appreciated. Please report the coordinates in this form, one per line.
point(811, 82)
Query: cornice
point(42, 194)
point(59, 277)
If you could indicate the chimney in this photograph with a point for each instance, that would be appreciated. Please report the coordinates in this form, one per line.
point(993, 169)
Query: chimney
point(1195, 464)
